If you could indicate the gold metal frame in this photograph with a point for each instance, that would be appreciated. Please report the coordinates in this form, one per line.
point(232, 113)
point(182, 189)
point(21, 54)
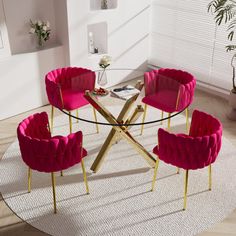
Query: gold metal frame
point(77, 115)
point(70, 122)
point(162, 115)
point(85, 176)
point(185, 181)
point(210, 177)
point(54, 183)
point(54, 192)
point(144, 117)
point(29, 180)
point(95, 118)
point(121, 131)
point(185, 189)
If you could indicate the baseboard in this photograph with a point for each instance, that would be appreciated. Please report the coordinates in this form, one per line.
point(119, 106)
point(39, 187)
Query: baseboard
point(221, 92)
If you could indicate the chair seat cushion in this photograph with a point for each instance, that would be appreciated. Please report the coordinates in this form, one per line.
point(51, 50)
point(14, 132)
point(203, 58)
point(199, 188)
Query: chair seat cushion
point(164, 100)
point(73, 99)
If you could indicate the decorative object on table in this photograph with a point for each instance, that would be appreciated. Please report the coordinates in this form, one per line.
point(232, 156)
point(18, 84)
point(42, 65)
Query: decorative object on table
point(224, 12)
point(44, 153)
point(169, 90)
point(104, 4)
point(41, 29)
point(91, 43)
point(125, 92)
point(100, 91)
point(104, 62)
point(197, 150)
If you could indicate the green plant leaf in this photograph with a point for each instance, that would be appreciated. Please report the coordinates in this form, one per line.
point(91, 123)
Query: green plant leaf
point(230, 48)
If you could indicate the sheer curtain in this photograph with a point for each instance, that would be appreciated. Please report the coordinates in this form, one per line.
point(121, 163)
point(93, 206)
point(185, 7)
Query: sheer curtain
point(184, 36)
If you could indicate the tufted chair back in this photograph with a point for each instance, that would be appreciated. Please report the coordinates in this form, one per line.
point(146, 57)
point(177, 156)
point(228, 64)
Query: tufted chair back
point(44, 153)
point(74, 79)
point(196, 150)
point(180, 83)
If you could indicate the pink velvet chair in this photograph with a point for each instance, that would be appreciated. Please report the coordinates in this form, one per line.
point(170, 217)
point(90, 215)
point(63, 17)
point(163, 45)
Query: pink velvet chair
point(190, 152)
point(44, 153)
point(66, 87)
point(169, 90)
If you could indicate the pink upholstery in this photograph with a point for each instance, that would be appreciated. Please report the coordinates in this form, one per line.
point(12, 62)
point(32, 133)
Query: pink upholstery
point(44, 153)
point(73, 82)
point(163, 86)
point(196, 150)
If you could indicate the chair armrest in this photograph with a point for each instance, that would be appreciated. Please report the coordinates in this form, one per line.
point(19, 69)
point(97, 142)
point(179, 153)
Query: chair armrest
point(54, 94)
point(150, 82)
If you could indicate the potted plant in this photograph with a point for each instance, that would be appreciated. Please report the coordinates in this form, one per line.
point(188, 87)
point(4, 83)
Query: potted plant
point(224, 12)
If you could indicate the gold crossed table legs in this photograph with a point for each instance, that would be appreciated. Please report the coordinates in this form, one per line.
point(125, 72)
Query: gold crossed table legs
point(121, 131)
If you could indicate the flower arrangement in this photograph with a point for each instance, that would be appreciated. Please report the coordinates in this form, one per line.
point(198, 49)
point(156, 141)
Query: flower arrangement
point(41, 29)
point(104, 62)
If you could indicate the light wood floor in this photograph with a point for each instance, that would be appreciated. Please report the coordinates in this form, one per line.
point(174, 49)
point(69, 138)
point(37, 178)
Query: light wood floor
point(11, 225)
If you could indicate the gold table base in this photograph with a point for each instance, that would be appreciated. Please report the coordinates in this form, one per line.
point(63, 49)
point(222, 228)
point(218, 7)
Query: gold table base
point(119, 132)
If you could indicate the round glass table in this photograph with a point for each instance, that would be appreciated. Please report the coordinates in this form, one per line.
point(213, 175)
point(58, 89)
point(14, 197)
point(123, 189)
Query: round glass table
point(130, 84)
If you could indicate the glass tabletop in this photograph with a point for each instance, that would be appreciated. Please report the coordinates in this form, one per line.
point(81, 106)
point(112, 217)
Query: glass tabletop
point(116, 86)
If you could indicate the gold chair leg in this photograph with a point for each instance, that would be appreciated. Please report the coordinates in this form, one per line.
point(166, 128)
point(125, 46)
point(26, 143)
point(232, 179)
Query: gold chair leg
point(95, 118)
point(62, 173)
point(178, 170)
point(70, 122)
point(155, 174)
point(185, 189)
point(54, 192)
point(210, 178)
point(29, 180)
point(162, 115)
point(144, 116)
point(52, 115)
point(77, 115)
point(85, 176)
point(168, 127)
point(187, 121)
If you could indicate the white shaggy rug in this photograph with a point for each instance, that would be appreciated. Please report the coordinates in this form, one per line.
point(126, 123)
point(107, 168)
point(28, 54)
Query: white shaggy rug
point(120, 201)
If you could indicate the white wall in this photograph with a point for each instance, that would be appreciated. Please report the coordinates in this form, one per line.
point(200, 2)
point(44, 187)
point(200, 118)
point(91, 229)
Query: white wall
point(22, 73)
point(22, 80)
point(18, 13)
point(128, 33)
point(60, 7)
point(184, 36)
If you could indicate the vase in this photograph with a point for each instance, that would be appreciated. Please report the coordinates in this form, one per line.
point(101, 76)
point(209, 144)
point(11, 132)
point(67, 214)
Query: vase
point(40, 42)
point(104, 4)
point(102, 78)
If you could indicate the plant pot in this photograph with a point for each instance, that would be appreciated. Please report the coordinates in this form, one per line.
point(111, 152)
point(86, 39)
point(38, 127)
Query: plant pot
point(232, 104)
